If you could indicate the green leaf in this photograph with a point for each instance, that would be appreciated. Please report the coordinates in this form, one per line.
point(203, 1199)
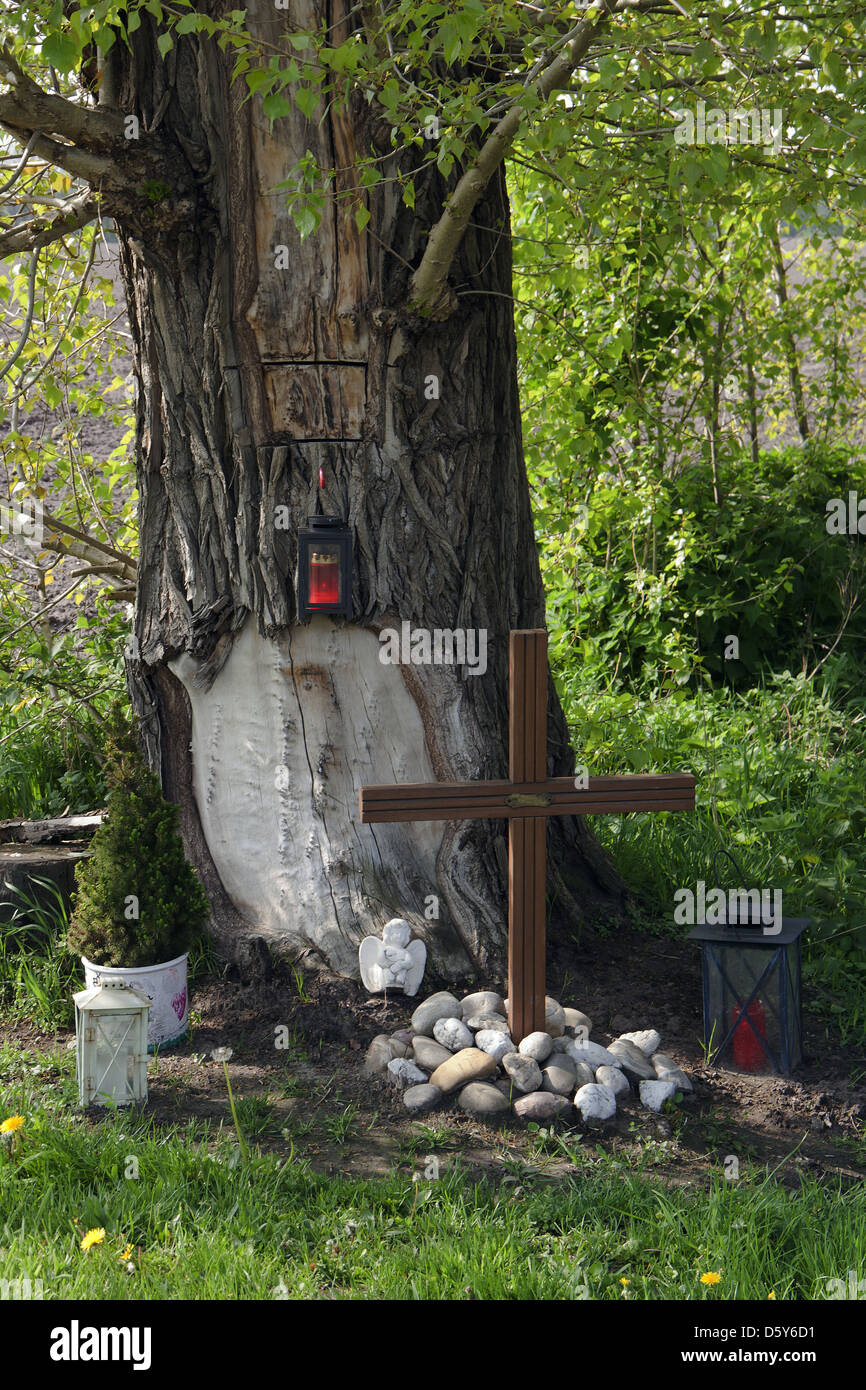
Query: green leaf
point(362, 217)
point(307, 100)
point(834, 69)
point(165, 43)
point(275, 105)
point(257, 78)
point(61, 51)
point(306, 219)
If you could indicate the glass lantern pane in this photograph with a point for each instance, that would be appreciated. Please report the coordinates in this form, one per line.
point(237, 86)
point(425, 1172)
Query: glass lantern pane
point(745, 1008)
point(792, 998)
point(114, 1056)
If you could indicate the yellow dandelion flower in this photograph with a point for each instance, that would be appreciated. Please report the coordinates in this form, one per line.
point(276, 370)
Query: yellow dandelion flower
point(711, 1278)
point(125, 1254)
point(624, 1281)
point(9, 1126)
point(772, 1293)
point(94, 1237)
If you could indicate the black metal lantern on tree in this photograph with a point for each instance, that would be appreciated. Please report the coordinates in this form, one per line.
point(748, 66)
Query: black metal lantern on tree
point(751, 978)
point(324, 566)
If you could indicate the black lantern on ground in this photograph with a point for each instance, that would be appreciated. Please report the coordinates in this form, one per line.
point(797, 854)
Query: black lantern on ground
point(751, 989)
point(325, 567)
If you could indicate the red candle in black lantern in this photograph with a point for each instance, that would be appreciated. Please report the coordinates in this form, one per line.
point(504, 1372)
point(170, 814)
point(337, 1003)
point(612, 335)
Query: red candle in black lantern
point(750, 1036)
point(325, 567)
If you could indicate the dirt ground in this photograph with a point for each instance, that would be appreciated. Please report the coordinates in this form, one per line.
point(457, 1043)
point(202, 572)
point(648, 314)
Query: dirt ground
point(298, 1046)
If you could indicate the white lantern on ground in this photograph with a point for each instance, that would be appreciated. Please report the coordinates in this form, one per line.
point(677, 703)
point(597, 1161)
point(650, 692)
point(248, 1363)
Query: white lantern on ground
point(111, 1044)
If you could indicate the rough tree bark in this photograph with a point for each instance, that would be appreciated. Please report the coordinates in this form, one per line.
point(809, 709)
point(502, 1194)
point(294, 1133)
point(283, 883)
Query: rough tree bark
point(251, 378)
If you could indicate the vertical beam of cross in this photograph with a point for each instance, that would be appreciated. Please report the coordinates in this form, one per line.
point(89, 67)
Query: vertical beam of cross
point(527, 837)
point(526, 800)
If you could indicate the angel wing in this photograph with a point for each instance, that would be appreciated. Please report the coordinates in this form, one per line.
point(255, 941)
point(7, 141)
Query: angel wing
point(414, 975)
point(371, 959)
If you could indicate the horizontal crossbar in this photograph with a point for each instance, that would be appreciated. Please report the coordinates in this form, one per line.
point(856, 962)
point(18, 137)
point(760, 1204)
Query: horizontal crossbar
point(503, 800)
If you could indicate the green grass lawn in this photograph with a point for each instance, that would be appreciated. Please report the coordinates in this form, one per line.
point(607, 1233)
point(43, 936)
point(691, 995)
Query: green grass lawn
point(203, 1224)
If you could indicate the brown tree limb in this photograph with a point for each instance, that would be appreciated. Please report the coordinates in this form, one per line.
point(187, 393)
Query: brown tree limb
point(429, 291)
point(82, 164)
point(41, 231)
point(86, 547)
point(26, 106)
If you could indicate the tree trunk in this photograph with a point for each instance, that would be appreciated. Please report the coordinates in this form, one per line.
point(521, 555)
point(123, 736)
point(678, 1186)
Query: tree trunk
point(251, 378)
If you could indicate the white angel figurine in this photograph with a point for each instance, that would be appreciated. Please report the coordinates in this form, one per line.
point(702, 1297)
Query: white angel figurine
point(395, 962)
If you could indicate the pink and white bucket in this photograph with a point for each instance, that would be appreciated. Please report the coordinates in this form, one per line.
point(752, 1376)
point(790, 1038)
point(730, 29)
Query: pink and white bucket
point(165, 987)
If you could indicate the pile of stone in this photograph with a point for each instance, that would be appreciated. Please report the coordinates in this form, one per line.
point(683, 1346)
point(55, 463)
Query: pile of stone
point(463, 1048)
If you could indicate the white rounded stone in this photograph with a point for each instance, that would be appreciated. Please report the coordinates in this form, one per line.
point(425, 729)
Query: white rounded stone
point(595, 1102)
point(666, 1069)
point(441, 1005)
point(633, 1062)
point(452, 1033)
point(647, 1039)
point(523, 1071)
point(653, 1094)
point(405, 1073)
point(613, 1079)
point(577, 1023)
point(496, 1044)
point(484, 1001)
point(536, 1045)
point(593, 1054)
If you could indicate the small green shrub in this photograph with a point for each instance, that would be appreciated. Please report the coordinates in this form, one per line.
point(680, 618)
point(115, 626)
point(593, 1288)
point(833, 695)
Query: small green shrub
point(138, 900)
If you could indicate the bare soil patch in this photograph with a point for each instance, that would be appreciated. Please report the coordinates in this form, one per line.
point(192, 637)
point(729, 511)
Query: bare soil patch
point(297, 1069)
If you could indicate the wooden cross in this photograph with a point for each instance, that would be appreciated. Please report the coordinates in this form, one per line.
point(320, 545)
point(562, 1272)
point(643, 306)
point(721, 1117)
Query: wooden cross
point(525, 801)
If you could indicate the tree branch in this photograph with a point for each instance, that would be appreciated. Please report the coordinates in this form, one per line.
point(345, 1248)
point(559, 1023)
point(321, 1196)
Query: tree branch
point(88, 548)
point(429, 291)
point(41, 231)
point(81, 163)
point(28, 317)
point(28, 107)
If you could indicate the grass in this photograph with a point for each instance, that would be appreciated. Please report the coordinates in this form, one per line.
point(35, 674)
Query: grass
point(781, 781)
point(340, 1128)
point(48, 756)
point(203, 1226)
point(37, 975)
point(255, 1115)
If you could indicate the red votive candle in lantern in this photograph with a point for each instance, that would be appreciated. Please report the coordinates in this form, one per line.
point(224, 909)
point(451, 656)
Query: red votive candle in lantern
point(324, 577)
point(748, 1052)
